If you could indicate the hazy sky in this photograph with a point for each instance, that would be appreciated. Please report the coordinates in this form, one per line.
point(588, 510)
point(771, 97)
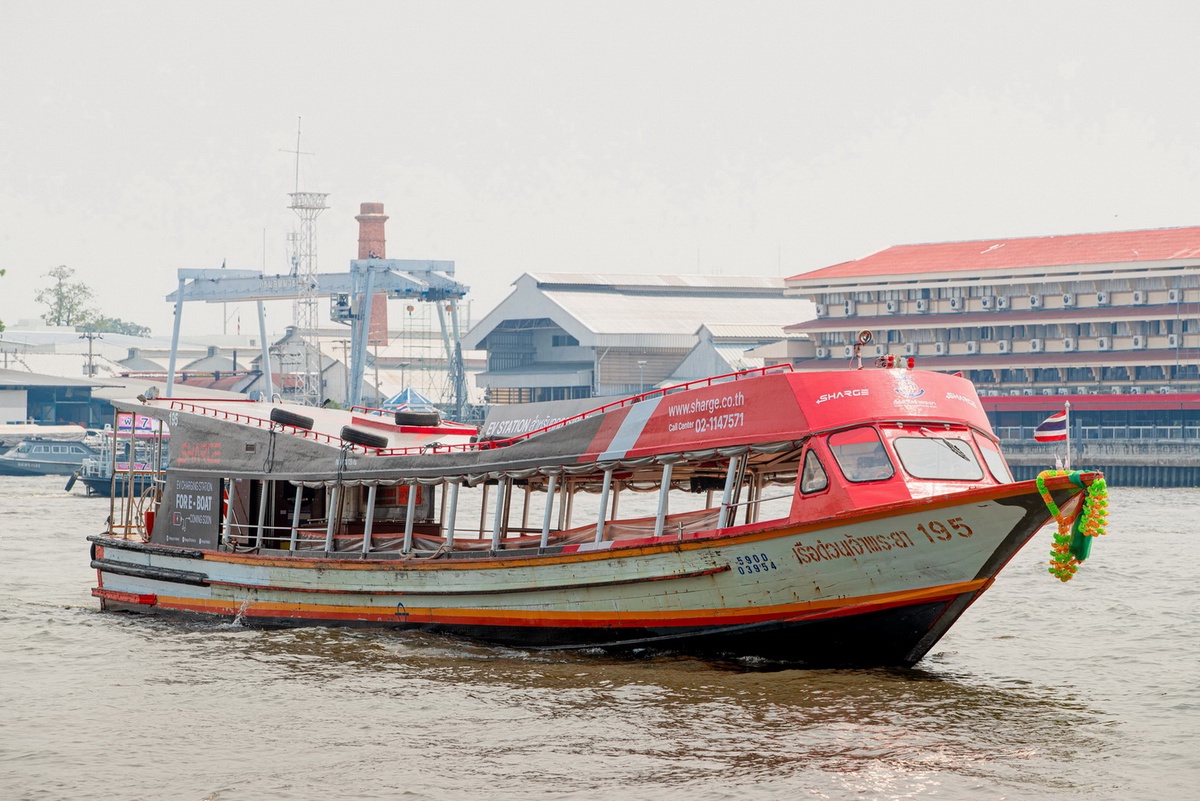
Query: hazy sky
point(736, 138)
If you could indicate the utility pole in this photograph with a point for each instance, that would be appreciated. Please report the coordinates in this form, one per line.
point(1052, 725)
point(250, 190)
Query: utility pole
point(90, 336)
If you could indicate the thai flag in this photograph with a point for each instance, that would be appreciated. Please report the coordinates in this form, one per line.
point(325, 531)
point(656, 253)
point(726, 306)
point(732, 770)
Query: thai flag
point(1054, 429)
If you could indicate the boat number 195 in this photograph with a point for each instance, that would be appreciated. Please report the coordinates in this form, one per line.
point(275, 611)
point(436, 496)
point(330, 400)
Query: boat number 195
point(754, 563)
point(935, 530)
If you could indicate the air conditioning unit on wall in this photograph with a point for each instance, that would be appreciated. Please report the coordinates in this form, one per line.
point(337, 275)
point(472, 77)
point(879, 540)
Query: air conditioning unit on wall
point(1174, 296)
point(1101, 298)
point(922, 305)
point(1139, 342)
point(1068, 344)
point(987, 302)
point(1035, 345)
point(1103, 343)
point(849, 308)
point(822, 310)
point(1139, 298)
point(1035, 301)
point(939, 348)
point(972, 346)
point(1172, 340)
point(892, 306)
point(1002, 302)
point(1068, 299)
point(1003, 345)
point(956, 304)
point(910, 349)
point(822, 353)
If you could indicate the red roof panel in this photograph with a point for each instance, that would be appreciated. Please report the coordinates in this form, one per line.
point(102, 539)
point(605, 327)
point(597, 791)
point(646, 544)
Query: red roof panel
point(1160, 244)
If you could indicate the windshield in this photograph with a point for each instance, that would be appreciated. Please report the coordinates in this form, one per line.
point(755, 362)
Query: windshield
point(938, 457)
point(860, 454)
point(995, 462)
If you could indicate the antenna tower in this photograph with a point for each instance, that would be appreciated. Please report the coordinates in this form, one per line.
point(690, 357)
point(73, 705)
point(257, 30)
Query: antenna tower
point(308, 206)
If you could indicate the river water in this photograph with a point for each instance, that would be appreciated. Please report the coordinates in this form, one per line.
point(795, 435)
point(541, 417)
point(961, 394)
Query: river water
point(1089, 689)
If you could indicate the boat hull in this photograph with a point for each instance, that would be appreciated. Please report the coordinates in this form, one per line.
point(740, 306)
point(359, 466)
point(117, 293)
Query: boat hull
point(22, 467)
point(871, 588)
point(103, 486)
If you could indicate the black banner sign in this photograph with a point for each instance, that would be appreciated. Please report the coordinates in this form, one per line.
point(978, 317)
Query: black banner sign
point(190, 515)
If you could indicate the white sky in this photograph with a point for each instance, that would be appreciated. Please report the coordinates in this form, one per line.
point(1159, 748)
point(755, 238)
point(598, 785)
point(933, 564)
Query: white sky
point(717, 137)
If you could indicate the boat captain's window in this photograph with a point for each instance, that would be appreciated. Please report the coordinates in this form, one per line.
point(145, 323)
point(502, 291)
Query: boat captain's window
point(931, 456)
point(861, 455)
point(993, 459)
point(813, 478)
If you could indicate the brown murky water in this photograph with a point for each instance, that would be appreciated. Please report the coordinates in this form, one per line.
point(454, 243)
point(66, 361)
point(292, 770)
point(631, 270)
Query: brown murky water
point(1043, 690)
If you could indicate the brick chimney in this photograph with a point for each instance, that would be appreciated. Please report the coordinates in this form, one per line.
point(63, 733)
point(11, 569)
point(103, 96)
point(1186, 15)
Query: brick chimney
point(371, 242)
point(372, 245)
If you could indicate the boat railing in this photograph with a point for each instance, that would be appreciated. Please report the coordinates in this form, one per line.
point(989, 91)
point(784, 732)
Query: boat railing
point(194, 407)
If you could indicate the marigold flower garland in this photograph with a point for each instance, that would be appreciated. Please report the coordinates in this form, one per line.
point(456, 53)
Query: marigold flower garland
point(1070, 544)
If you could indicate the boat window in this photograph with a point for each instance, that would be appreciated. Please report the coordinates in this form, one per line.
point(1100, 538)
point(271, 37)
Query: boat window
point(994, 460)
point(813, 478)
point(938, 457)
point(860, 454)
point(24, 447)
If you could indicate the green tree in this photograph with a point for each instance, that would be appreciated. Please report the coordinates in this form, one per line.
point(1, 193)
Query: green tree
point(66, 301)
point(115, 325)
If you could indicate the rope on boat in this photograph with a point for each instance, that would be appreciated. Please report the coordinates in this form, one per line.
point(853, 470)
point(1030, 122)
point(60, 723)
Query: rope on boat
point(1072, 542)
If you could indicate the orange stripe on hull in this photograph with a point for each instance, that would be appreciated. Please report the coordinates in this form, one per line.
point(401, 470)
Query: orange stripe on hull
point(578, 619)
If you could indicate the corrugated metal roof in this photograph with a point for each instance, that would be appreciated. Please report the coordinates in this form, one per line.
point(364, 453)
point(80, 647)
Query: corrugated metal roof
point(754, 331)
point(21, 378)
point(735, 356)
point(616, 313)
point(1161, 244)
point(613, 281)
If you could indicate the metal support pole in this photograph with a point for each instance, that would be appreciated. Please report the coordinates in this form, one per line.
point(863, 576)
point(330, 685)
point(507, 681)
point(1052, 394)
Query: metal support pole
point(332, 513)
point(409, 514)
point(266, 352)
point(727, 493)
point(369, 523)
point(570, 506)
point(565, 491)
point(457, 371)
point(228, 507)
point(296, 517)
point(175, 338)
point(664, 492)
point(501, 503)
point(452, 510)
point(549, 510)
point(262, 511)
point(483, 510)
point(358, 361)
point(603, 504)
point(525, 509)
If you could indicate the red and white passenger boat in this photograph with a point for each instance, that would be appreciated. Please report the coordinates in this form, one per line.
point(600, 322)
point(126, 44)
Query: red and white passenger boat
point(897, 512)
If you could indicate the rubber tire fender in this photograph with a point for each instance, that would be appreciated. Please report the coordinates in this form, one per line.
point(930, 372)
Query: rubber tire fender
point(286, 418)
point(357, 436)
